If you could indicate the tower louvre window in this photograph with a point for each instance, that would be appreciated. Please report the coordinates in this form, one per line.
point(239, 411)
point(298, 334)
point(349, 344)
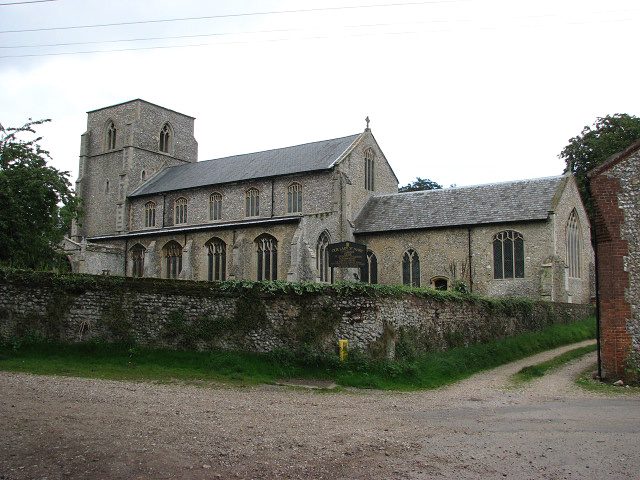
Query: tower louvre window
point(165, 138)
point(369, 169)
point(111, 136)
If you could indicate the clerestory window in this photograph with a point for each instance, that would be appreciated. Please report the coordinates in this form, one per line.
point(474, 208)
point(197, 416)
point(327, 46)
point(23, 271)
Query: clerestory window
point(252, 202)
point(215, 206)
point(180, 211)
point(294, 198)
point(150, 214)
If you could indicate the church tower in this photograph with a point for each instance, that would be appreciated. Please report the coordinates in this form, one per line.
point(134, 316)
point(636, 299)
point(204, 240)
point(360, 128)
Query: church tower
point(124, 146)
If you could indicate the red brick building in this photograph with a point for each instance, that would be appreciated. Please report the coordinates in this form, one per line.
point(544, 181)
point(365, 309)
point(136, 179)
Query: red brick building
point(615, 186)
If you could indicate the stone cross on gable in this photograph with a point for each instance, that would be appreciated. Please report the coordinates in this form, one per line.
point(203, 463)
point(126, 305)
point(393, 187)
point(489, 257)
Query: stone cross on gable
point(367, 120)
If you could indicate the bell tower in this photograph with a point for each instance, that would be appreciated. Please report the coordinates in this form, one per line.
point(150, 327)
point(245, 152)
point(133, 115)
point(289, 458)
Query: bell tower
point(124, 146)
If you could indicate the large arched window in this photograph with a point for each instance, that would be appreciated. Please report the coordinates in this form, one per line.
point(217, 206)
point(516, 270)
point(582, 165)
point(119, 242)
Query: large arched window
point(180, 211)
point(368, 168)
point(411, 268)
point(172, 253)
point(111, 135)
point(215, 206)
point(217, 256)
point(574, 247)
point(267, 257)
point(369, 273)
point(322, 257)
point(165, 138)
point(294, 198)
point(150, 214)
point(137, 260)
point(252, 202)
point(508, 255)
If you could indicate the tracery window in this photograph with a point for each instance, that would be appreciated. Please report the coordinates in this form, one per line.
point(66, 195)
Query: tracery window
point(267, 257)
point(508, 255)
point(165, 137)
point(294, 198)
point(252, 202)
point(180, 211)
point(111, 136)
point(137, 260)
point(369, 273)
point(411, 268)
point(368, 169)
point(217, 259)
point(150, 214)
point(574, 245)
point(322, 257)
point(172, 252)
point(215, 206)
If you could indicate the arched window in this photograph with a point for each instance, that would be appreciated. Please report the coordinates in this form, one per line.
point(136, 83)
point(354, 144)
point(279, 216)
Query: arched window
point(322, 257)
point(508, 255)
point(252, 204)
point(143, 175)
point(180, 211)
point(411, 268)
point(440, 283)
point(172, 252)
point(106, 186)
point(165, 138)
point(111, 136)
point(217, 253)
point(267, 256)
point(150, 214)
point(137, 260)
point(294, 198)
point(215, 206)
point(369, 273)
point(574, 247)
point(368, 168)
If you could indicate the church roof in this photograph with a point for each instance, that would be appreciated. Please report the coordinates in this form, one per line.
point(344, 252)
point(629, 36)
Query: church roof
point(521, 200)
point(281, 161)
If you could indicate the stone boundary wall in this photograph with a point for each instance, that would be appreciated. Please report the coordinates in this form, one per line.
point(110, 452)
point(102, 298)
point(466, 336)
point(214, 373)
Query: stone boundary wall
point(182, 314)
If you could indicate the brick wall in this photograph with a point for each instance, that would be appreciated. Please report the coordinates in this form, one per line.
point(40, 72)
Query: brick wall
point(169, 313)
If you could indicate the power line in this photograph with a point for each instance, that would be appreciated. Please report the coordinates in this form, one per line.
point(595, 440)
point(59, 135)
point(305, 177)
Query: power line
point(22, 3)
point(232, 15)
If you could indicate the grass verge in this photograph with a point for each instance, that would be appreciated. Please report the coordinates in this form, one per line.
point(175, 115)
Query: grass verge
point(586, 381)
point(530, 372)
point(126, 362)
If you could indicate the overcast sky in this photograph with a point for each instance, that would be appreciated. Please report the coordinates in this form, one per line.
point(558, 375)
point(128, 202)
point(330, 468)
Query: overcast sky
point(461, 92)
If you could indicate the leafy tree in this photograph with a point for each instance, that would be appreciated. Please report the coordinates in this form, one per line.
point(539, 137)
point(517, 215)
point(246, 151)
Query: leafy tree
point(609, 135)
point(420, 184)
point(36, 202)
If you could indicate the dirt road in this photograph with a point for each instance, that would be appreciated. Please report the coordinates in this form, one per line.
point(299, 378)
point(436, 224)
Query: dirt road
point(59, 428)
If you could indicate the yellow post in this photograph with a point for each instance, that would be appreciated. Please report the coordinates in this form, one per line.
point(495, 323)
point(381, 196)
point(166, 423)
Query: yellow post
point(344, 349)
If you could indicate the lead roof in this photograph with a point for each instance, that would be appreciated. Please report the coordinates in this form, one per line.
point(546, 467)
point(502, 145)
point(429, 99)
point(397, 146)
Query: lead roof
point(522, 200)
point(282, 161)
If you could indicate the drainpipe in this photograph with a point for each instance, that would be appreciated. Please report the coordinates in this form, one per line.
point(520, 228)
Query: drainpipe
point(126, 255)
point(164, 207)
point(470, 264)
point(272, 196)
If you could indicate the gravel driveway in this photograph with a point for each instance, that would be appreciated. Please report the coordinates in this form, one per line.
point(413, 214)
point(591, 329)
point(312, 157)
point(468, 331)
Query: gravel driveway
point(57, 428)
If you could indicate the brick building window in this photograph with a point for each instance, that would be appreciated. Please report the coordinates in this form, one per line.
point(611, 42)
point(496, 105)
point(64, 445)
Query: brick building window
point(150, 214)
point(267, 257)
point(369, 273)
point(574, 245)
point(322, 257)
point(180, 211)
point(217, 259)
point(368, 169)
point(411, 268)
point(111, 135)
point(172, 253)
point(165, 138)
point(137, 260)
point(508, 255)
point(294, 198)
point(252, 202)
point(215, 206)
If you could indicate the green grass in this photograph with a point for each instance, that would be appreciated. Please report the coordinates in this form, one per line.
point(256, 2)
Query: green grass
point(531, 372)
point(123, 362)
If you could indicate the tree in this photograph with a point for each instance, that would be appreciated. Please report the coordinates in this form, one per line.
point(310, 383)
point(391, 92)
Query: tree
point(36, 202)
point(609, 135)
point(420, 184)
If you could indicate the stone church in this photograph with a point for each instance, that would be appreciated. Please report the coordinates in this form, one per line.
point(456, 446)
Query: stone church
point(153, 210)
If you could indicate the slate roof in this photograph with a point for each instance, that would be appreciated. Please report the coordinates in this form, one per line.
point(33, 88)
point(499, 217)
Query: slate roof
point(282, 161)
point(522, 200)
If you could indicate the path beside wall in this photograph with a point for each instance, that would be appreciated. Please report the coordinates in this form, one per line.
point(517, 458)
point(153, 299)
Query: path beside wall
point(244, 316)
